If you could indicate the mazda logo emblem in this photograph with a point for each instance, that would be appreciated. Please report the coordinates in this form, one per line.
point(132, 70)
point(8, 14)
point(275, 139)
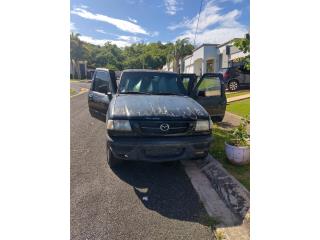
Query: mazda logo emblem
point(164, 127)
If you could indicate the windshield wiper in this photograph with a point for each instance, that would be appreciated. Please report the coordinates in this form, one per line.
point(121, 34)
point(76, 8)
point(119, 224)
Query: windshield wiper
point(133, 92)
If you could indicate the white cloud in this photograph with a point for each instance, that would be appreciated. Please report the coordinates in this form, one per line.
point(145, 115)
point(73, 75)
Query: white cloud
point(234, 1)
point(130, 39)
point(100, 31)
point(72, 27)
point(154, 34)
point(132, 20)
point(218, 35)
point(121, 41)
point(213, 26)
point(208, 16)
point(84, 6)
point(172, 6)
point(123, 25)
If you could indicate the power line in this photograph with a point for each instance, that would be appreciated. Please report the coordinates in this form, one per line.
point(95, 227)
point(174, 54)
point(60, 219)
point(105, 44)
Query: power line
point(195, 34)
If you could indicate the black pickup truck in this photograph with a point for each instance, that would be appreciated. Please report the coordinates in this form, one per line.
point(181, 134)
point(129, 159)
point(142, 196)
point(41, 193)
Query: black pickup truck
point(155, 115)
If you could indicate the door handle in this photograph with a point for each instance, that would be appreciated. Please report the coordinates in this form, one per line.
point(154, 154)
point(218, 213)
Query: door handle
point(90, 96)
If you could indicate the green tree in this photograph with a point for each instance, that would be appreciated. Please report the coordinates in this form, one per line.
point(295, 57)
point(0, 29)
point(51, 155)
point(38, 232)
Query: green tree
point(138, 55)
point(244, 45)
point(78, 51)
point(178, 51)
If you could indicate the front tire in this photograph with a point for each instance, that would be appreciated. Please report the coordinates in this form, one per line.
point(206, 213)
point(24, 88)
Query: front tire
point(217, 118)
point(111, 159)
point(233, 85)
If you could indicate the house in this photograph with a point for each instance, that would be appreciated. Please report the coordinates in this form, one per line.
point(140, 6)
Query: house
point(228, 54)
point(202, 60)
point(168, 67)
point(78, 69)
point(209, 58)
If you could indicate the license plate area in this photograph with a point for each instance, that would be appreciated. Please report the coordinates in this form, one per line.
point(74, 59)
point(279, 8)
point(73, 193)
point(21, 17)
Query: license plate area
point(163, 152)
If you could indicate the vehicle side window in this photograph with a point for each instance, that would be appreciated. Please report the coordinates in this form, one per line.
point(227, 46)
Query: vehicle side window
point(185, 83)
point(101, 82)
point(211, 86)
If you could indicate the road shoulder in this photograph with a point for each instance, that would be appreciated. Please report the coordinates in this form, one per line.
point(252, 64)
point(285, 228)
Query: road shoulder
point(223, 197)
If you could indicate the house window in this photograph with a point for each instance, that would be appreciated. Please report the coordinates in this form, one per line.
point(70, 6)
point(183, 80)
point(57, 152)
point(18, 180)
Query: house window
point(210, 67)
point(220, 60)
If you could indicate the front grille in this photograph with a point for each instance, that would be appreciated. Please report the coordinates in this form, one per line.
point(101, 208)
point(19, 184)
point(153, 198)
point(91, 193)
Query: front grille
point(153, 127)
point(159, 153)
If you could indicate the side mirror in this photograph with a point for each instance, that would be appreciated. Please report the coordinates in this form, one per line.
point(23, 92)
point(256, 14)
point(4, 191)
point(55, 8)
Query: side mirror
point(109, 94)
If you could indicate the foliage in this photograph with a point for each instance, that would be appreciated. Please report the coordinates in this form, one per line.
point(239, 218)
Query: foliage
point(78, 50)
point(239, 135)
point(241, 173)
point(219, 234)
point(138, 55)
point(178, 51)
point(72, 92)
point(244, 45)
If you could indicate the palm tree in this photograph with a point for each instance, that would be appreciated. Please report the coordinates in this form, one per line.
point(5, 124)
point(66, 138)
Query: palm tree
point(178, 51)
point(78, 50)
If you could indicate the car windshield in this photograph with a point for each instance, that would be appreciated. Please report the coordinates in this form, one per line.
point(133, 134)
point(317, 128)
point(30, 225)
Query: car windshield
point(151, 83)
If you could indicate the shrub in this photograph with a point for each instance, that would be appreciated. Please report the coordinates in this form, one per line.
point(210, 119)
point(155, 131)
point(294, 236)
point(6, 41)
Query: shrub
point(239, 136)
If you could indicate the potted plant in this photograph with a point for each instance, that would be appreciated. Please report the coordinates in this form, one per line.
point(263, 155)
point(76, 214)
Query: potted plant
point(237, 147)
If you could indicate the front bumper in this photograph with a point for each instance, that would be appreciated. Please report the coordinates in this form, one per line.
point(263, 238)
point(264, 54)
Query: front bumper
point(160, 149)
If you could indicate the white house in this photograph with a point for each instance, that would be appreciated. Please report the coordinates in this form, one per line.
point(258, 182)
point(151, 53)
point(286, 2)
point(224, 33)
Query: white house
point(168, 66)
point(202, 60)
point(228, 53)
point(209, 58)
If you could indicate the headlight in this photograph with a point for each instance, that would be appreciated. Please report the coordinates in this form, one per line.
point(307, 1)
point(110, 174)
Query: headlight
point(202, 125)
point(119, 125)
point(211, 124)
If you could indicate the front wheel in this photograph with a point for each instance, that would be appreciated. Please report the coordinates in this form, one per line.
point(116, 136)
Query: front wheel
point(111, 159)
point(233, 85)
point(217, 118)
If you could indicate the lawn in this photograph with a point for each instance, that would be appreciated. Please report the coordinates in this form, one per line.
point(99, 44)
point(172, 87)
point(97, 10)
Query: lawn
point(241, 173)
point(241, 107)
point(72, 92)
point(238, 93)
point(79, 80)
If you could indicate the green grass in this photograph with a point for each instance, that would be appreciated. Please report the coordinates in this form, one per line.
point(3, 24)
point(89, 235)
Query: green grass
point(241, 107)
point(208, 83)
point(72, 92)
point(241, 173)
point(78, 80)
point(238, 93)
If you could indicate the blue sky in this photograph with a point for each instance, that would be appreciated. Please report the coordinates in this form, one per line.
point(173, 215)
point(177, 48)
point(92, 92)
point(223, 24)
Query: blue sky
point(124, 22)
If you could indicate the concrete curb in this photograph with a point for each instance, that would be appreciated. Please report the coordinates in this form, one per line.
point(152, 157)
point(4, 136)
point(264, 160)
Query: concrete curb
point(230, 190)
point(223, 197)
point(238, 98)
point(213, 204)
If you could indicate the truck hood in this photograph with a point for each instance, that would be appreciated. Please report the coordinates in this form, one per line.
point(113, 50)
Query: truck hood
point(156, 107)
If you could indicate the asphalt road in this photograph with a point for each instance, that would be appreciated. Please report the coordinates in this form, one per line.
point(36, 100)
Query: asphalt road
point(137, 201)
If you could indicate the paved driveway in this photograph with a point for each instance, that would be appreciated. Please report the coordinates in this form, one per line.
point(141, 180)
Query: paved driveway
point(138, 201)
point(78, 85)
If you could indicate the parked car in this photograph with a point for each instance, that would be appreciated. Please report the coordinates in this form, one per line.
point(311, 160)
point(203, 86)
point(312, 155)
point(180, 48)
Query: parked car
point(236, 77)
point(155, 115)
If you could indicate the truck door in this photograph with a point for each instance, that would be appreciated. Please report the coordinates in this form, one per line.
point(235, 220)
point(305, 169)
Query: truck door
point(188, 81)
point(100, 94)
point(210, 93)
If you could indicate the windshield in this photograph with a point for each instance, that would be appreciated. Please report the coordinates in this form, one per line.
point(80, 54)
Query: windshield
point(151, 83)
